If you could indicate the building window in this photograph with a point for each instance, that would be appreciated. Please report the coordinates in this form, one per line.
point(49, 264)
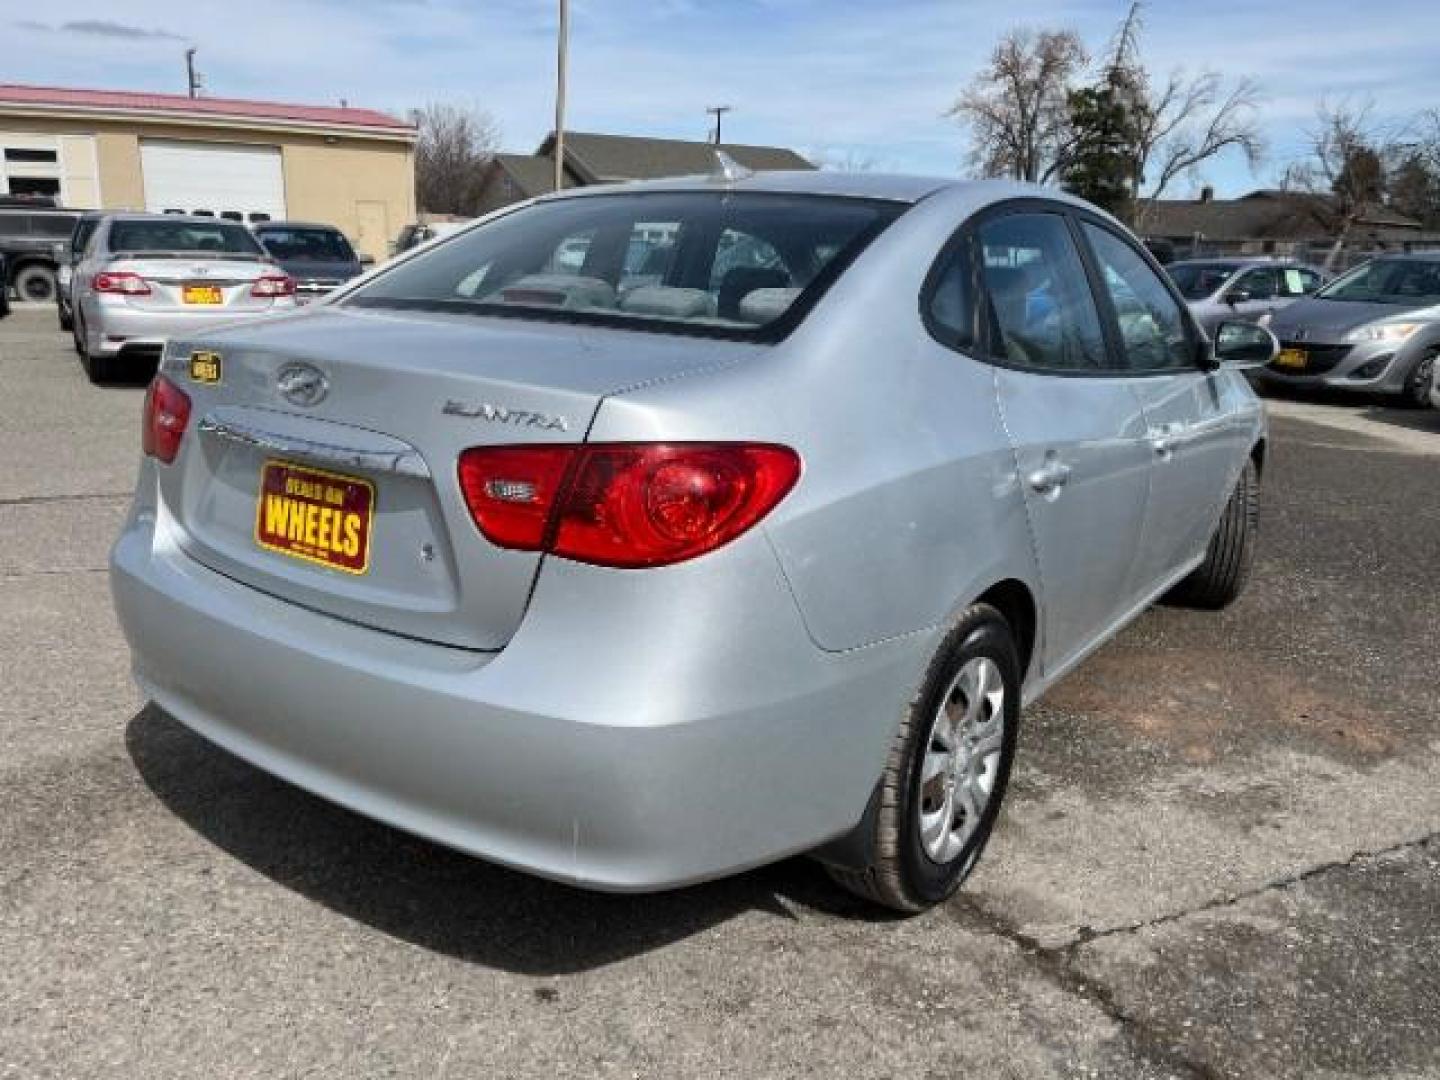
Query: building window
point(35, 185)
point(21, 154)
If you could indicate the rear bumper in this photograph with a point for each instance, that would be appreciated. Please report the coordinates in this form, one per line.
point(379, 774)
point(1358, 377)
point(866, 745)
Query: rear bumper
point(119, 326)
point(584, 752)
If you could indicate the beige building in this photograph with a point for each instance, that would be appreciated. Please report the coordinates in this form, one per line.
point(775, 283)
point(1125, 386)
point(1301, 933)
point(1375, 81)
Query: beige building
point(118, 150)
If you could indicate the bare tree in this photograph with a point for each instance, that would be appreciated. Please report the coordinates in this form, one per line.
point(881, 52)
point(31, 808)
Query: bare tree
point(1346, 168)
point(454, 143)
point(1017, 110)
point(1188, 121)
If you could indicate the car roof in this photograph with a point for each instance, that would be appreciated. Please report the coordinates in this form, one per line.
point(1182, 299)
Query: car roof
point(1239, 260)
point(892, 187)
point(295, 225)
point(193, 219)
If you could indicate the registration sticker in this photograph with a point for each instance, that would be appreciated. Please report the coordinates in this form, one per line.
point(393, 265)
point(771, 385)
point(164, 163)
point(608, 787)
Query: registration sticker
point(205, 366)
point(321, 517)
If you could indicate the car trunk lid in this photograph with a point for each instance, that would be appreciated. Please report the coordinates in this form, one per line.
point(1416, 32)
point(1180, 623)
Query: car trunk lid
point(367, 413)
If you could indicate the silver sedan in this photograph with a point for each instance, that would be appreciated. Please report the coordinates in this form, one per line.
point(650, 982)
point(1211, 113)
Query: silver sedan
point(145, 277)
point(636, 572)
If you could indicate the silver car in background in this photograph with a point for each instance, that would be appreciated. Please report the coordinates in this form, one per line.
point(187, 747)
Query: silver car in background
point(1241, 289)
point(1375, 329)
point(146, 277)
point(633, 572)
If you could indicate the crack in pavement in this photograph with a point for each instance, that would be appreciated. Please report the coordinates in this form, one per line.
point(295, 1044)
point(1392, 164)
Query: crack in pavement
point(1055, 961)
point(41, 500)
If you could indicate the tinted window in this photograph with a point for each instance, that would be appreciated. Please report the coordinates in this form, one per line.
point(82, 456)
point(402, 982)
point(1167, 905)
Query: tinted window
point(164, 234)
point(1152, 324)
point(58, 226)
point(951, 306)
point(1412, 282)
point(1040, 307)
point(1197, 281)
point(84, 229)
point(717, 262)
point(1259, 283)
point(313, 245)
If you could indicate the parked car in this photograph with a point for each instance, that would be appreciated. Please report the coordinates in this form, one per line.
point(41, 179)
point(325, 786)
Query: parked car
point(69, 256)
point(636, 591)
point(1245, 289)
point(147, 277)
point(318, 257)
point(1375, 329)
point(30, 240)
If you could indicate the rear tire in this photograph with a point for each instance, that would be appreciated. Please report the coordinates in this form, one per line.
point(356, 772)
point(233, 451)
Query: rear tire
point(1221, 577)
point(98, 369)
point(931, 825)
point(35, 283)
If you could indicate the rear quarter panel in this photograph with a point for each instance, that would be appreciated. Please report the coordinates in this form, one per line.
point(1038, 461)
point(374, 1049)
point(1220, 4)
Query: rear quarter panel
point(909, 505)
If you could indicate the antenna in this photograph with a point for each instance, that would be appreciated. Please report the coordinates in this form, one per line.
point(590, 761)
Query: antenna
point(193, 81)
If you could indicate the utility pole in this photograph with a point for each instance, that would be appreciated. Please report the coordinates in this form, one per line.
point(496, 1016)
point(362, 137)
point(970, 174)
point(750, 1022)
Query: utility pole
point(192, 78)
point(561, 51)
point(718, 111)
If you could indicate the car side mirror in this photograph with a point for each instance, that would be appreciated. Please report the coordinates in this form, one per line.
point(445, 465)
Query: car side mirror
point(1242, 346)
point(1237, 296)
point(367, 260)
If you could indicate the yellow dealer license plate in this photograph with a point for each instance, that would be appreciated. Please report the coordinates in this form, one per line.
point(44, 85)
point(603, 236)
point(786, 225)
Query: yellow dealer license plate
point(202, 294)
point(1291, 358)
point(321, 517)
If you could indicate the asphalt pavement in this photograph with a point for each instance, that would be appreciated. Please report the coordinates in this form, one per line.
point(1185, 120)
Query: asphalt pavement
point(1220, 856)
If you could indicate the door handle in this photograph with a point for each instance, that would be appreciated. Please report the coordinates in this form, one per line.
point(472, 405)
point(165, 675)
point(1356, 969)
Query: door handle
point(1165, 437)
point(1050, 477)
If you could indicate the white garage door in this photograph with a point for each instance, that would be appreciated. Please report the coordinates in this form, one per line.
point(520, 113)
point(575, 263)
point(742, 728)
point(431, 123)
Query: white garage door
point(218, 177)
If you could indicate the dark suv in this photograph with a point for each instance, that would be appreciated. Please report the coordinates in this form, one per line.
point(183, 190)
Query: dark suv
point(29, 240)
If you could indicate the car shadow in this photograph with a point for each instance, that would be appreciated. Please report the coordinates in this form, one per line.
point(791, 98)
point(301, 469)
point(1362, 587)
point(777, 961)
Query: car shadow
point(432, 896)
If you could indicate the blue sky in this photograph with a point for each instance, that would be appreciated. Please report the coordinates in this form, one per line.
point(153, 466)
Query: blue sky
point(846, 79)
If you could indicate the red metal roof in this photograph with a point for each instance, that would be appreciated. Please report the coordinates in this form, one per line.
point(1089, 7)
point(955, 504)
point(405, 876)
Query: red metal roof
point(61, 97)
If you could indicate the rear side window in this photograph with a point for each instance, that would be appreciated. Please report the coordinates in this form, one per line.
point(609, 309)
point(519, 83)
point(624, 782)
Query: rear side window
point(1041, 311)
point(165, 234)
point(729, 264)
point(1152, 325)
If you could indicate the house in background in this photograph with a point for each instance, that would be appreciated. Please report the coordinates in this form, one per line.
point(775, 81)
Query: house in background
point(1273, 222)
point(607, 159)
point(125, 150)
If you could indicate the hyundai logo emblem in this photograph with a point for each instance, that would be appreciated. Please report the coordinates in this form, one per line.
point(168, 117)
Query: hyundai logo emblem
point(302, 384)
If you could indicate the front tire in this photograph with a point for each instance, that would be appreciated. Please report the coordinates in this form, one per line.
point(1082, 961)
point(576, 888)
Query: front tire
point(1417, 384)
point(1220, 579)
point(948, 768)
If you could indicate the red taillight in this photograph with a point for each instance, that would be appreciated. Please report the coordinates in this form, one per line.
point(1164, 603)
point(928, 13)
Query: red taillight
point(624, 504)
point(273, 285)
point(122, 282)
point(167, 412)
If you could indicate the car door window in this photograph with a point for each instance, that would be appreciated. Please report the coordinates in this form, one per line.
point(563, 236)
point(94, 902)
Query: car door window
point(1038, 301)
point(1153, 330)
point(949, 305)
point(1259, 283)
point(1297, 281)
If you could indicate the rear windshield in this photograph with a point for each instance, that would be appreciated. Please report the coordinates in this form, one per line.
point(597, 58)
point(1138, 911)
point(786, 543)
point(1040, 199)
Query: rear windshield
point(1196, 281)
point(1412, 282)
point(187, 236)
point(724, 263)
point(313, 245)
